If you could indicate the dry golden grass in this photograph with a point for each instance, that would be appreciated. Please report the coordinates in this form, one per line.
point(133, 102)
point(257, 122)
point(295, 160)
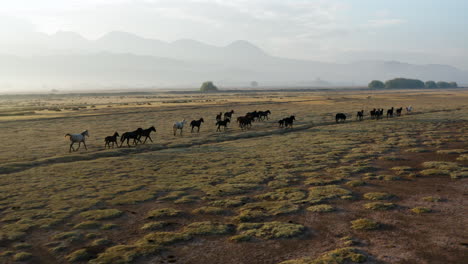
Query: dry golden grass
point(235, 185)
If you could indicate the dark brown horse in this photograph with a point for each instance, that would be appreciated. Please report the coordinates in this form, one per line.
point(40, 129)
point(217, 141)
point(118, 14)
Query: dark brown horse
point(222, 123)
point(135, 135)
point(228, 114)
point(196, 123)
point(146, 133)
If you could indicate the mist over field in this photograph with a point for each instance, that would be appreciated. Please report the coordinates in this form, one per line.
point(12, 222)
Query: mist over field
point(180, 44)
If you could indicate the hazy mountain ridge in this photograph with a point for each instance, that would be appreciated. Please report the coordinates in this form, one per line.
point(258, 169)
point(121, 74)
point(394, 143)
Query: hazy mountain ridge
point(120, 58)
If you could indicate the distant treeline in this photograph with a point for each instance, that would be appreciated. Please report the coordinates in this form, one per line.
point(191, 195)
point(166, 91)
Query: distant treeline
point(402, 83)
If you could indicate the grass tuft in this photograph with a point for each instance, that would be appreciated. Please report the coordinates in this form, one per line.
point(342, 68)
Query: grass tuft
point(364, 224)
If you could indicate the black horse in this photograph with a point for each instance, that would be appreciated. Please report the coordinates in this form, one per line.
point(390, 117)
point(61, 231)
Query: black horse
point(196, 123)
point(360, 115)
point(262, 115)
point(111, 139)
point(219, 116)
point(288, 121)
point(340, 117)
point(244, 121)
point(146, 133)
point(135, 135)
point(228, 114)
point(390, 112)
point(223, 123)
point(398, 111)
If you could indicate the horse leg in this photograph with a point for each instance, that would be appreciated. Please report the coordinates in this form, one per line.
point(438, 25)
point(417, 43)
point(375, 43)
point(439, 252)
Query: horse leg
point(198, 131)
point(79, 145)
point(71, 147)
point(150, 139)
point(84, 143)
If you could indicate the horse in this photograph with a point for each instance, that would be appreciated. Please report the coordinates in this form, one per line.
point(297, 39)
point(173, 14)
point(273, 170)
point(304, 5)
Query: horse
point(398, 111)
point(379, 113)
point(223, 123)
point(340, 117)
point(390, 112)
point(262, 115)
point(409, 109)
point(135, 135)
point(288, 121)
point(111, 139)
point(360, 115)
point(78, 138)
point(218, 116)
point(373, 113)
point(196, 123)
point(281, 123)
point(228, 114)
point(146, 133)
point(253, 115)
point(244, 121)
point(179, 125)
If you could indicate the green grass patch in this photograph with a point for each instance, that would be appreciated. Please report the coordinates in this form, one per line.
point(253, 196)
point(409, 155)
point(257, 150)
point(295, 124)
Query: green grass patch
point(103, 214)
point(379, 206)
point(432, 199)
point(292, 194)
point(207, 228)
point(163, 212)
point(421, 210)
point(78, 255)
point(319, 193)
point(321, 208)
point(364, 224)
point(264, 209)
point(271, 230)
point(378, 196)
point(22, 256)
point(154, 225)
point(88, 225)
point(209, 210)
point(234, 202)
point(356, 183)
point(337, 256)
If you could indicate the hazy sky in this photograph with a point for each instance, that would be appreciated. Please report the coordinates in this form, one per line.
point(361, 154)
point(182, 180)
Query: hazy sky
point(416, 31)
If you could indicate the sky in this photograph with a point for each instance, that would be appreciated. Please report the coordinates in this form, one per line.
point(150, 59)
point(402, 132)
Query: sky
point(414, 31)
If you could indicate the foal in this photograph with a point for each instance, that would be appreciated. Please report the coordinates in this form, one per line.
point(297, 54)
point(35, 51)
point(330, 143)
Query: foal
point(111, 139)
point(78, 138)
point(196, 123)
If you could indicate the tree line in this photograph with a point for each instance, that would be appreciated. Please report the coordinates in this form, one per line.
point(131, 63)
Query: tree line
point(403, 83)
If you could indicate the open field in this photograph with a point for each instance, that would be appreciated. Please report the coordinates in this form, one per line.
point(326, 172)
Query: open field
point(387, 191)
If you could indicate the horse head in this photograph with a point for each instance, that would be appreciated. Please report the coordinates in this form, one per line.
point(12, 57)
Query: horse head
point(85, 133)
point(201, 120)
point(152, 128)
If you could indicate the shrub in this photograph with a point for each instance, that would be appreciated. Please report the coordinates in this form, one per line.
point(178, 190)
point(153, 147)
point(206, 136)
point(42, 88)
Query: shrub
point(364, 224)
point(208, 87)
point(375, 84)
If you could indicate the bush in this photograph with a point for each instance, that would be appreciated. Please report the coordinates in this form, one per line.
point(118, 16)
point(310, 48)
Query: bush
point(402, 83)
point(208, 87)
point(430, 85)
point(375, 84)
point(447, 85)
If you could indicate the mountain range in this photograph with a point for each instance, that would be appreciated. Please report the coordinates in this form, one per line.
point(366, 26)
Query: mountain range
point(120, 59)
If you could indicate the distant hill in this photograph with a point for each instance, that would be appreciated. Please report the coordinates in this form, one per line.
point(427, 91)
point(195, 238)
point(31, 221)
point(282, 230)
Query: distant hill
point(120, 58)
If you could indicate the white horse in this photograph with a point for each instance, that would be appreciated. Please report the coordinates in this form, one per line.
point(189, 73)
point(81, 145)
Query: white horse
point(409, 109)
point(179, 125)
point(78, 138)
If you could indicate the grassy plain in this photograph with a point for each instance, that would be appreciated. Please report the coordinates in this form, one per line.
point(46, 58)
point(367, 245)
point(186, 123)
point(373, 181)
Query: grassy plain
point(393, 189)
